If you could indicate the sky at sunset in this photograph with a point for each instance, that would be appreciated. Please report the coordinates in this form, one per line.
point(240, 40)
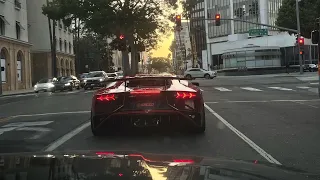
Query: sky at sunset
point(163, 47)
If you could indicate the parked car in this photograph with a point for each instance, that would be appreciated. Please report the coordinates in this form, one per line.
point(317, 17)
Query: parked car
point(112, 75)
point(82, 79)
point(95, 79)
point(193, 73)
point(45, 85)
point(67, 83)
point(310, 67)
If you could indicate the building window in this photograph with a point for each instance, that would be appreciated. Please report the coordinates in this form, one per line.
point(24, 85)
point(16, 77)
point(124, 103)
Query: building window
point(65, 46)
point(18, 30)
point(3, 60)
point(2, 25)
point(70, 48)
point(17, 4)
point(60, 44)
point(19, 66)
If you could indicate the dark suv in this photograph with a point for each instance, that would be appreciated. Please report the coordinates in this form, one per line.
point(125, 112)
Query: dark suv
point(95, 79)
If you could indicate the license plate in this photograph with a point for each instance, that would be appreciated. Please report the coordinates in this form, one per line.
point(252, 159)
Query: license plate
point(145, 105)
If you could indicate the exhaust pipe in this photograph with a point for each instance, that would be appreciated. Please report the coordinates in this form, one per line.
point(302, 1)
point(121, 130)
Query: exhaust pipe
point(146, 123)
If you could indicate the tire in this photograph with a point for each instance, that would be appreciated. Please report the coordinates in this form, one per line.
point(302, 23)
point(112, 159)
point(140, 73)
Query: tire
point(85, 88)
point(188, 76)
point(71, 89)
point(95, 132)
point(201, 129)
point(207, 76)
point(78, 87)
point(36, 92)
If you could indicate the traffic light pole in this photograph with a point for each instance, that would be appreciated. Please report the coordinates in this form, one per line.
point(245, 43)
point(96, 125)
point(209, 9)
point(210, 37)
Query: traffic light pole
point(319, 56)
point(299, 35)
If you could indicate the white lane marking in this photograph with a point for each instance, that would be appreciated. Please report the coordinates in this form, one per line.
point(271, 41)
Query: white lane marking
point(314, 83)
point(263, 153)
point(250, 89)
point(66, 137)
point(25, 124)
point(222, 89)
point(41, 131)
point(72, 92)
point(46, 114)
point(265, 101)
point(280, 88)
point(303, 87)
point(307, 105)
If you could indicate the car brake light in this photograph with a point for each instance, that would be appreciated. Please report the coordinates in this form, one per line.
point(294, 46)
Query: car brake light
point(142, 92)
point(185, 95)
point(106, 97)
point(183, 160)
point(104, 153)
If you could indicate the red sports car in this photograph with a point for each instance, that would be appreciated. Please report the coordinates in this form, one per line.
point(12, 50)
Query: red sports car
point(148, 101)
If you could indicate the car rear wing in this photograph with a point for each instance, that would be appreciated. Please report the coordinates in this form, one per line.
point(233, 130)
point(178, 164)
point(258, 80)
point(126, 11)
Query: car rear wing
point(142, 78)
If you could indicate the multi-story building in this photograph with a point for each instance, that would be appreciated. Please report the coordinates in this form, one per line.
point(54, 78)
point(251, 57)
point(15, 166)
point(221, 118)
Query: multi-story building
point(198, 28)
point(183, 44)
point(41, 50)
point(231, 46)
point(14, 45)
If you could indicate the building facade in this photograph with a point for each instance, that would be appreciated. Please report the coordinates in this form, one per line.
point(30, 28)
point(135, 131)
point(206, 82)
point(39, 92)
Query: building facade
point(41, 51)
point(14, 46)
point(198, 28)
point(234, 35)
point(183, 46)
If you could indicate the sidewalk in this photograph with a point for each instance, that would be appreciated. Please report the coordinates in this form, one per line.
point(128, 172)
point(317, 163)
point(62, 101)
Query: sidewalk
point(16, 92)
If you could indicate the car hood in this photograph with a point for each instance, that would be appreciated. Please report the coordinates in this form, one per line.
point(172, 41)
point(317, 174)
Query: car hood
point(129, 164)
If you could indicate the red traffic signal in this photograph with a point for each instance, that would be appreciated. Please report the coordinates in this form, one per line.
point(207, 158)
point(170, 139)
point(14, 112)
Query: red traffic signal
point(121, 36)
point(217, 18)
point(301, 41)
point(178, 20)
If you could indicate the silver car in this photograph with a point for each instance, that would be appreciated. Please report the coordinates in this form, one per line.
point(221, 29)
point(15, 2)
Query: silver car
point(193, 73)
point(46, 85)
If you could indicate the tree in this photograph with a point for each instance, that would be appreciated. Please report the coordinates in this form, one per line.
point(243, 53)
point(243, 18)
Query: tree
point(309, 11)
point(143, 21)
point(95, 52)
point(160, 64)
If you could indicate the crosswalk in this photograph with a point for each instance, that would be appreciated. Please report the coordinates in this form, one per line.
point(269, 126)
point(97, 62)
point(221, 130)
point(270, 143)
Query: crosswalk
point(261, 89)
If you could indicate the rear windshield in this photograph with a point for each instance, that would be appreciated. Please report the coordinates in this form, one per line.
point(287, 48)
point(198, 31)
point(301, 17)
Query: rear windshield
point(146, 83)
point(45, 81)
point(95, 74)
point(112, 75)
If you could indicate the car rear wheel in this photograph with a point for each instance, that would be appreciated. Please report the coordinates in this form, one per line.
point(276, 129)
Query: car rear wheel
point(95, 132)
point(207, 76)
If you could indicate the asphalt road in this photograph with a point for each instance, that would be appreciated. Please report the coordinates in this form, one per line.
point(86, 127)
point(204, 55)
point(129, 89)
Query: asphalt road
point(268, 119)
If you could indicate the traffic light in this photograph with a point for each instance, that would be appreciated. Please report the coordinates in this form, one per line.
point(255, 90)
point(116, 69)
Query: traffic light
point(178, 20)
point(121, 37)
point(217, 18)
point(315, 36)
point(301, 41)
point(301, 52)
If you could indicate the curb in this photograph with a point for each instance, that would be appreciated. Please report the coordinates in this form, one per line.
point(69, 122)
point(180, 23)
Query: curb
point(24, 93)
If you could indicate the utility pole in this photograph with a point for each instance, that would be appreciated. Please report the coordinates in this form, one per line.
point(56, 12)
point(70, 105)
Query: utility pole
point(319, 57)
point(299, 35)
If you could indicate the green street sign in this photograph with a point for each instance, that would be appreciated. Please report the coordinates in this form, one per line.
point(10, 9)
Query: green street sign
point(258, 32)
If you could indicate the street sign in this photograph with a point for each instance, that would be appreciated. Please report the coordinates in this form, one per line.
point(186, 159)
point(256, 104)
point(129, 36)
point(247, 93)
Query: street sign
point(258, 32)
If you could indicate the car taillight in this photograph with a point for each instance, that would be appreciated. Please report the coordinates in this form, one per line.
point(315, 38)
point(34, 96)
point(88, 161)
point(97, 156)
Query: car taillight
point(105, 97)
point(183, 160)
point(185, 95)
point(104, 153)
